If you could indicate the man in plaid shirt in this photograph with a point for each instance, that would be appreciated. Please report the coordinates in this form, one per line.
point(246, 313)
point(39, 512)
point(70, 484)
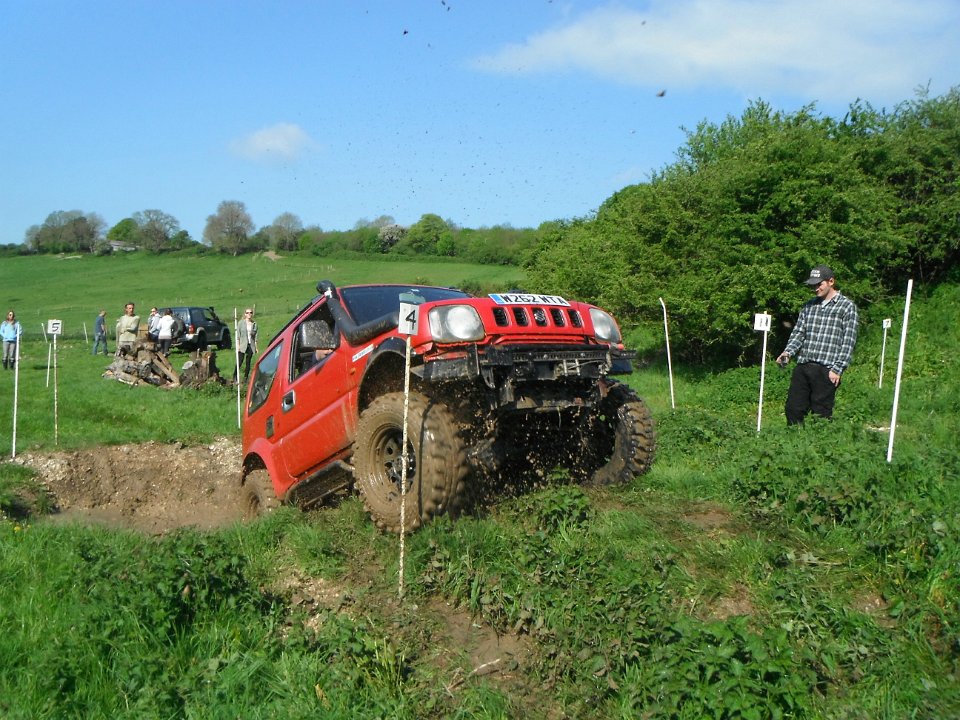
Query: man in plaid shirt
point(822, 341)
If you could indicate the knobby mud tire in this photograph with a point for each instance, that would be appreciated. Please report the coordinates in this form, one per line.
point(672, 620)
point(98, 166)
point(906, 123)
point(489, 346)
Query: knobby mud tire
point(256, 495)
point(437, 461)
point(624, 437)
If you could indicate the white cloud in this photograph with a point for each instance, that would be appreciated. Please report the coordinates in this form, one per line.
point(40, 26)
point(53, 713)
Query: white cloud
point(828, 50)
point(283, 141)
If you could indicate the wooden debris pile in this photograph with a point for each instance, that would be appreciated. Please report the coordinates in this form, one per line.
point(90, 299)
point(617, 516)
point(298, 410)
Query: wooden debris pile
point(144, 363)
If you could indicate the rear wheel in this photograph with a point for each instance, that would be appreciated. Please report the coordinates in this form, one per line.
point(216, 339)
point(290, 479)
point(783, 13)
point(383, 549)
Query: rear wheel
point(256, 496)
point(436, 461)
point(619, 437)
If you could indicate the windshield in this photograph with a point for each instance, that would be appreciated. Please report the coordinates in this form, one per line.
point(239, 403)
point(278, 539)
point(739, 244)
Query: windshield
point(369, 302)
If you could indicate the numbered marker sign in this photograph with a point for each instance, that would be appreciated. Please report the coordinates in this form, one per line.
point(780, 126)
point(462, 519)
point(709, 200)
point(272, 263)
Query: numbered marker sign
point(761, 321)
point(409, 313)
point(887, 322)
point(54, 327)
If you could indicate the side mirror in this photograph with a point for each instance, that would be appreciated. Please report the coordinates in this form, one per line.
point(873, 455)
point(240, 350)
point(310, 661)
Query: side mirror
point(316, 335)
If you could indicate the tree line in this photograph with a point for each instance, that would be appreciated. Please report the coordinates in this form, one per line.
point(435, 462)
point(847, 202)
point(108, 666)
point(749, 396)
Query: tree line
point(231, 230)
point(752, 203)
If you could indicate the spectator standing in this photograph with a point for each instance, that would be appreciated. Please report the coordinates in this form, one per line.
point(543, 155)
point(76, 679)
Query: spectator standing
point(10, 331)
point(822, 341)
point(165, 331)
point(153, 325)
point(246, 342)
point(100, 332)
point(127, 328)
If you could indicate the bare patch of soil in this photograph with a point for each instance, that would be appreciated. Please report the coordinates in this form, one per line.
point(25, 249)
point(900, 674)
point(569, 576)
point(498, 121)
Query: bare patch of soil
point(473, 647)
point(712, 519)
point(728, 606)
point(151, 487)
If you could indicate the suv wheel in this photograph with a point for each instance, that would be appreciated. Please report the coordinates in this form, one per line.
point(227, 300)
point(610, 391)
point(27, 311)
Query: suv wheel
point(201, 341)
point(257, 496)
point(621, 438)
point(224, 343)
point(436, 462)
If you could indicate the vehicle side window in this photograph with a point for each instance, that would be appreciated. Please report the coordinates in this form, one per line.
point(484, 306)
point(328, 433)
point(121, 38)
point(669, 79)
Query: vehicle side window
point(304, 360)
point(263, 377)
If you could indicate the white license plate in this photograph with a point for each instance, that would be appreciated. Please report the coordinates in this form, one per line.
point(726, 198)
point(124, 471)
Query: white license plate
point(528, 299)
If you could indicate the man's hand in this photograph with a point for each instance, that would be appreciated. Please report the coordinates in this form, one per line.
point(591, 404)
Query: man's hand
point(834, 378)
point(783, 359)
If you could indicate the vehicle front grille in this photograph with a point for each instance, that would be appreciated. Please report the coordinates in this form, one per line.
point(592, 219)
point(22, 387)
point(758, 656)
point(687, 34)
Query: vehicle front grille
point(526, 315)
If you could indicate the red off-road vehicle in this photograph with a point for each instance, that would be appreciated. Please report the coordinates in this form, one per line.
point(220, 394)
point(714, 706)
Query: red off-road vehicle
point(498, 385)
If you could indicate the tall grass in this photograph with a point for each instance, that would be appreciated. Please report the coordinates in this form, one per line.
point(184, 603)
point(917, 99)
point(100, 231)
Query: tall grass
point(792, 572)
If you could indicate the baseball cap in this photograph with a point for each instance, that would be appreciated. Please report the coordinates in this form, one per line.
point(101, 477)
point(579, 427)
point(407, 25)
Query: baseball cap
point(818, 275)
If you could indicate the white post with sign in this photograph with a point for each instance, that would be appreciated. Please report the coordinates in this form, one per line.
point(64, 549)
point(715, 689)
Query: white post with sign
point(236, 334)
point(409, 323)
point(16, 388)
point(666, 333)
point(761, 322)
point(887, 322)
point(55, 327)
point(896, 387)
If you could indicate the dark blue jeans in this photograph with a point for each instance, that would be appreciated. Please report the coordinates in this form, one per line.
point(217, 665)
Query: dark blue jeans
point(99, 340)
point(810, 391)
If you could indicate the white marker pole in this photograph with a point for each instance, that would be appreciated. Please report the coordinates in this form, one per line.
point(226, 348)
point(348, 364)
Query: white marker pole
point(56, 413)
point(236, 334)
point(54, 327)
point(409, 320)
point(666, 334)
point(896, 391)
point(887, 322)
point(761, 321)
point(49, 360)
point(16, 386)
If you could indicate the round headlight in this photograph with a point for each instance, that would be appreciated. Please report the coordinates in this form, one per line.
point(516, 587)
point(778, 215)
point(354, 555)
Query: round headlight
point(455, 323)
point(604, 326)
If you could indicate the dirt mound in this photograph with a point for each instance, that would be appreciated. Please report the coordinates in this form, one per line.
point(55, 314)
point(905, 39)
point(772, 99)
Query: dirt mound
point(153, 487)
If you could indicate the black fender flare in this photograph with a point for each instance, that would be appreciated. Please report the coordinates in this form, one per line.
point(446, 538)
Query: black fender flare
point(375, 382)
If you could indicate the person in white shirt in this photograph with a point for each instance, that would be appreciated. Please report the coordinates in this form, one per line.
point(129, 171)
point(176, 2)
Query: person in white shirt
point(165, 331)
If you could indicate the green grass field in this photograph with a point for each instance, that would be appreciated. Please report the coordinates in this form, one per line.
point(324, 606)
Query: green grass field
point(789, 573)
point(74, 289)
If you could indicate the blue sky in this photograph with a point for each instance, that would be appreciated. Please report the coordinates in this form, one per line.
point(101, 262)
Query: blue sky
point(484, 112)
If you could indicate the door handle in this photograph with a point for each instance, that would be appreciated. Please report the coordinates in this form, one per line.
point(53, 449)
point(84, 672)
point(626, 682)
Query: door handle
point(288, 401)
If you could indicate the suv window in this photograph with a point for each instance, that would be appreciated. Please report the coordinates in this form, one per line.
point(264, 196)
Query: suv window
point(263, 378)
point(304, 360)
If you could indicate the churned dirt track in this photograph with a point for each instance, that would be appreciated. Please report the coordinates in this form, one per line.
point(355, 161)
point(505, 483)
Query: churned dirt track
point(152, 487)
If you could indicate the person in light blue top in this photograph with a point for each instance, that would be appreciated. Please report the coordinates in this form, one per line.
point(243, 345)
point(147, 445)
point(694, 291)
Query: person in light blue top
point(10, 331)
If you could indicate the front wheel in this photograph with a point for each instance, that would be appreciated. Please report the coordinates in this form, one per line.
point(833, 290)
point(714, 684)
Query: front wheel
point(621, 436)
point(436, 461)
point(224, 343)
point(257, 496)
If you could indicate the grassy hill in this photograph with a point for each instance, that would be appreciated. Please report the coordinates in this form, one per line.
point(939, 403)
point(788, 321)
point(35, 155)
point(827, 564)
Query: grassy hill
point(792, 572)
point(74, 288)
